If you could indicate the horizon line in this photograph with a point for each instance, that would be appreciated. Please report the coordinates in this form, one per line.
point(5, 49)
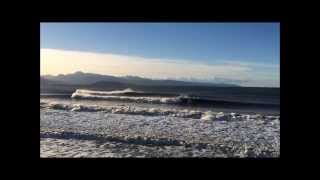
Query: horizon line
point(177, 79)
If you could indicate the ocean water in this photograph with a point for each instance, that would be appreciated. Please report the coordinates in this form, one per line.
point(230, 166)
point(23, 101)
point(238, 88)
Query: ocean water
point(220, 122)
point(231, 99)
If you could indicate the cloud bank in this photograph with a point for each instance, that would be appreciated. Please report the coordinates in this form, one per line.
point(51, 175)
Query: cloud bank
point(55, 61)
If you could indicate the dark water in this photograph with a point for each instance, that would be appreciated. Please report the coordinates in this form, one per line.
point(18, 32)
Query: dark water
point(233, 94)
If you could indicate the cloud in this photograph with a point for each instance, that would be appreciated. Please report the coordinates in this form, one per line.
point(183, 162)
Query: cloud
point(55, 61)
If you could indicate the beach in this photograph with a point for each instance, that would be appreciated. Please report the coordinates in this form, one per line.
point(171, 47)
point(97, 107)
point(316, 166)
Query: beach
point(68, 132)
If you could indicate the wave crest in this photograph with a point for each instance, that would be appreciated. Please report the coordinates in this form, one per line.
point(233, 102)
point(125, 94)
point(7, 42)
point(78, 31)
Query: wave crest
point(117, 95)
point(92, 92)
point(129, 95)
point(131, 110)
point(125, 110)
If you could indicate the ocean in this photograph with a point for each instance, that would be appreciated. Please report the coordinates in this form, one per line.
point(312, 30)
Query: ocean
point(225, 99)
point(161, 122)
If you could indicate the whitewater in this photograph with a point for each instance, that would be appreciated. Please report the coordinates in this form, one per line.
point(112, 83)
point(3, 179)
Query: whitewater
point(87, 94)
point(139, 128)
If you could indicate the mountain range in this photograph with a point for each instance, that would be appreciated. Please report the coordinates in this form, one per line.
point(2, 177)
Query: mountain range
point(70, 82)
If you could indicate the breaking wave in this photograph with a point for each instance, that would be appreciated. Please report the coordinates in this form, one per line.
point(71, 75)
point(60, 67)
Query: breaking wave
point(120, 109)
point(101, 93)
point(120, 95)
point(134, 110)
point(130, 95)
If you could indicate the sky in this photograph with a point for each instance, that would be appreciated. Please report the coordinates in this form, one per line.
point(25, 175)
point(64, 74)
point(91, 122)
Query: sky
point(246, 54)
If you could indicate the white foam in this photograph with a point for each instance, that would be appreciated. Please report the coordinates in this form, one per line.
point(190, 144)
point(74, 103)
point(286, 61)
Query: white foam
point(208, 116)
point(84, 91)
point(230, 138)
point(92, 108)
point(110, 95)
point(136, 110)
point(126, 110)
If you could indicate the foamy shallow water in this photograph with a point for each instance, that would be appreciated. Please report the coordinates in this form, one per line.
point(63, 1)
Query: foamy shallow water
point(66, 133)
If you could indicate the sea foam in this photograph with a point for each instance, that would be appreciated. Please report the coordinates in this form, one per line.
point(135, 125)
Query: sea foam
point(84, 91)
point(118, 95)
point(125, 110)
point(172, 112)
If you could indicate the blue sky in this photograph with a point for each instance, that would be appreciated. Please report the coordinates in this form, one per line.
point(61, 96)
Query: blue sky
point(255, 46)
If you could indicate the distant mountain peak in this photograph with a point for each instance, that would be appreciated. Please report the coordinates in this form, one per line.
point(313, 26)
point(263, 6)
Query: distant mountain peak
point(78, 72)
point(134, 77)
